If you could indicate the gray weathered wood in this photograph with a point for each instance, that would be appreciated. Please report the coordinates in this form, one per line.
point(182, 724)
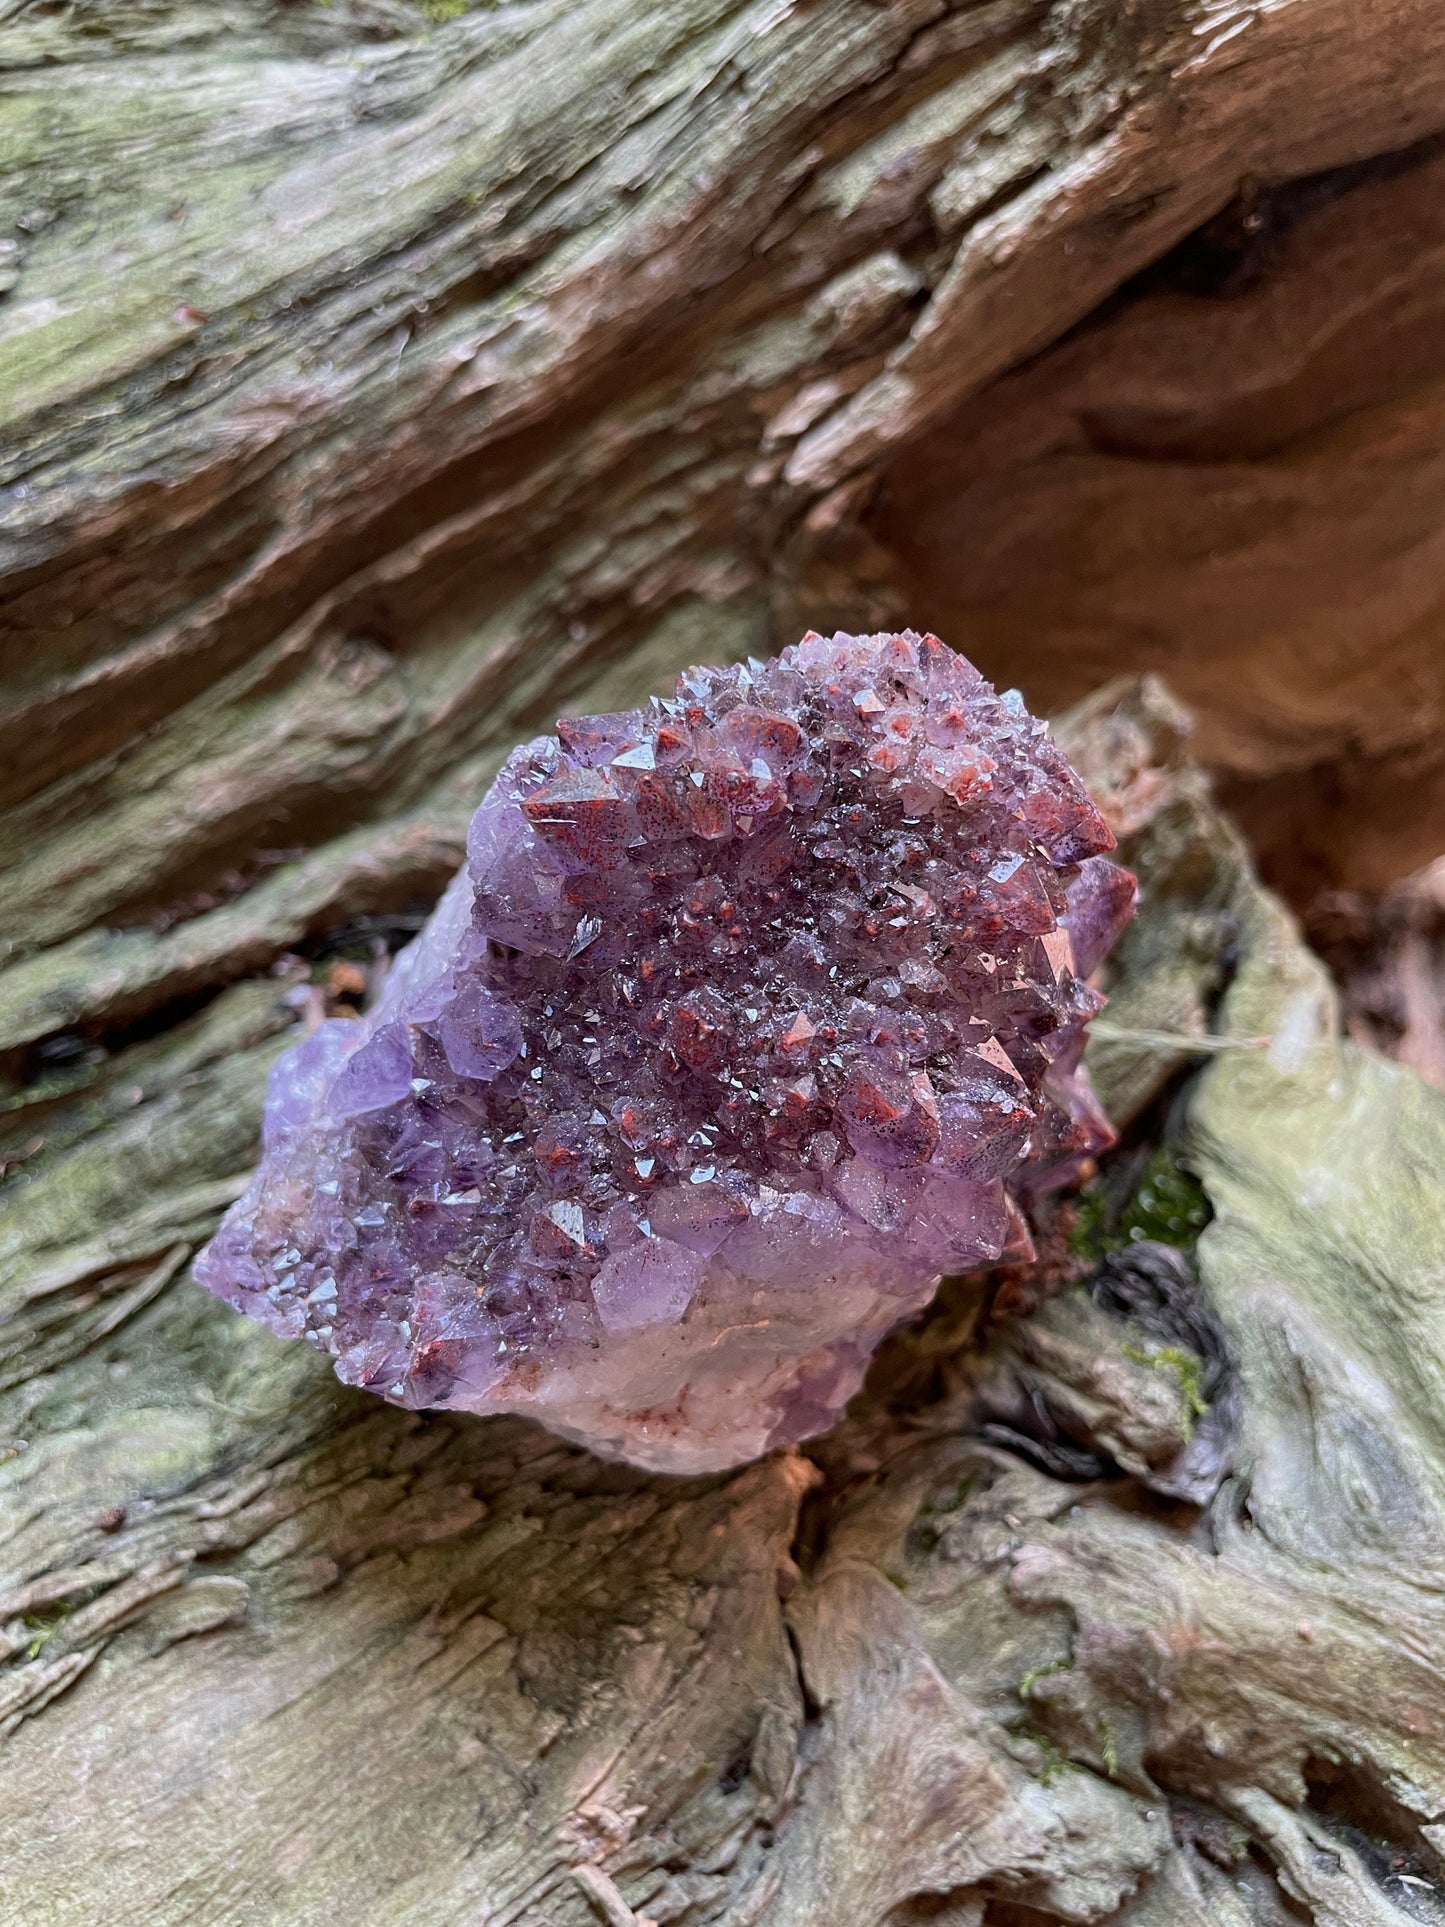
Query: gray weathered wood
point(376, 381)
point(278, 1652)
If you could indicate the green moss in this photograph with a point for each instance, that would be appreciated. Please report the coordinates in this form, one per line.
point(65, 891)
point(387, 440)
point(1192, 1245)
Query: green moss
point(46, 1090)
point(1187, 1369)
point(1108, 1746)
point(1053, 1764)
point(947, 1503)
point(1031, 1679)
point(43, 1626)
point(1167, 1206)
point(440, 11)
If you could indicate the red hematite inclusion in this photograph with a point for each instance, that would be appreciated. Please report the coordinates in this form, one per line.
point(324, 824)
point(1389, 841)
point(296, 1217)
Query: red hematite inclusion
point(750, 1015)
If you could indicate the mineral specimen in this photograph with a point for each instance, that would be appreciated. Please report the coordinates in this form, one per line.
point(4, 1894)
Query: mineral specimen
point(750, 1015)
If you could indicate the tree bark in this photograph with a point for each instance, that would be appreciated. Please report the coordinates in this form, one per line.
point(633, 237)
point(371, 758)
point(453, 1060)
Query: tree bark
point(377, 383)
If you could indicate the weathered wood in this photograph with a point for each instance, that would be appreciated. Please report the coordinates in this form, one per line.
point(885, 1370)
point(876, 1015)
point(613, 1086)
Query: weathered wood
point(277, 1652)
point(368, 393)
point(377, 380)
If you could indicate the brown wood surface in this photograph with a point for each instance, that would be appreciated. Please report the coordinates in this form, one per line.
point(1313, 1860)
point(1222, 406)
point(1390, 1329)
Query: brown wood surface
point(377, 382)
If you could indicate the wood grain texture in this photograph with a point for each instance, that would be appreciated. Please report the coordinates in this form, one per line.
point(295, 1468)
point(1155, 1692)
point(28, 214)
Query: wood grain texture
point(276, 1651)
point(372, 388)
point(378, 380)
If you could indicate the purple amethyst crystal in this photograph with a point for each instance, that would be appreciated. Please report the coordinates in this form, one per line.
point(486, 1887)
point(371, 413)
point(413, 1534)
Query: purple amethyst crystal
point(750, 1015)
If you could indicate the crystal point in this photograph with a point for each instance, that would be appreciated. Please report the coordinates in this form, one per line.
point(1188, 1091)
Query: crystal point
point(749, 1016)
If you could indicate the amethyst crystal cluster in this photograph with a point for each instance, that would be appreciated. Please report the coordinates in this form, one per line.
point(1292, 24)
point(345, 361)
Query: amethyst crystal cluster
point(749, 1015)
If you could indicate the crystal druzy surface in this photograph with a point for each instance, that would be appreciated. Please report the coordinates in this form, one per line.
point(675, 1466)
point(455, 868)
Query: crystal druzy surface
point(750, 1015)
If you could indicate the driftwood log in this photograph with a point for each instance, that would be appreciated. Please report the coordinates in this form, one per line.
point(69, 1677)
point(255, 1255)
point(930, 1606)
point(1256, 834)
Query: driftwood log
point(379, 380)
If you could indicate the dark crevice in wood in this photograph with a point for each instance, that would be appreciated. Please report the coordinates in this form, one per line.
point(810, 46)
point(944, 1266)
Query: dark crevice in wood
point(1359, 1807)
point(1237, 248)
